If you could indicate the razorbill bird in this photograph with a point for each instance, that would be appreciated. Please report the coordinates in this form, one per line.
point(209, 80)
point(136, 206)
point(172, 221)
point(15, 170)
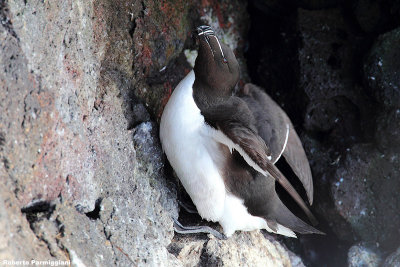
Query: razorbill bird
point(223, 147)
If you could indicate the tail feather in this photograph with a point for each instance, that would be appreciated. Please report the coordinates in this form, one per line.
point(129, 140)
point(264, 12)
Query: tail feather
point(282, 215)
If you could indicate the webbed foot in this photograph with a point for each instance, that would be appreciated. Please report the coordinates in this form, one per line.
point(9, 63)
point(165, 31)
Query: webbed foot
point(179, 228)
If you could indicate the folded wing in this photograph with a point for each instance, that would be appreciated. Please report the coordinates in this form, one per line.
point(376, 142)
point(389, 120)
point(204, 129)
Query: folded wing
point(276, 129)
point(234, 126)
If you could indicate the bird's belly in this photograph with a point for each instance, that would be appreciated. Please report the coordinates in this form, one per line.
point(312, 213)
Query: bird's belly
point(199, 174)
point(184, 139)
point(203, 180)
point(198, 168)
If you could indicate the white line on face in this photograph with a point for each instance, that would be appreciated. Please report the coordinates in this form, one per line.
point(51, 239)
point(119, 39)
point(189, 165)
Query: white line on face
point(207, 40)
point(220, 48)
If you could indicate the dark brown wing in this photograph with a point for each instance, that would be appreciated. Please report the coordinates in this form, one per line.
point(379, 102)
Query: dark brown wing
point(258, 193)
point(296, 158)
point(269, 120)
point(272, 124)
point(251, 143)
point(235, 120)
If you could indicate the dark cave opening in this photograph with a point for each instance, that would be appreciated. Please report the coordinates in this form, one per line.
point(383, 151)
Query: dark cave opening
point(272, 59)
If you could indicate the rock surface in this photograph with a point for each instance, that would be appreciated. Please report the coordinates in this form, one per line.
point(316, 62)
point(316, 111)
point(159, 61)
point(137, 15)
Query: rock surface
point(359, 255)
point(80, 185)
point(393, 259)
point(243, 249)
point(381, 69)
point(365, 196)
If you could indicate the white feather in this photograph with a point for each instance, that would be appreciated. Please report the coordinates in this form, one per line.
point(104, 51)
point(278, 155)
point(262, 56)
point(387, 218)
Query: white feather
point(220, 137)
point(284, 144)
point(180, 133)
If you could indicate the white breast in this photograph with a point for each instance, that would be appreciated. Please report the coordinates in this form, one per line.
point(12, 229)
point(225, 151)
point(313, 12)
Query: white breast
point(184, 140)
point(192, 148)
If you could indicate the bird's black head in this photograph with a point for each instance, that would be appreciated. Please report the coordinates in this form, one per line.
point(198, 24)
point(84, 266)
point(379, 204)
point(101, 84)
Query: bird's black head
point(216, 66)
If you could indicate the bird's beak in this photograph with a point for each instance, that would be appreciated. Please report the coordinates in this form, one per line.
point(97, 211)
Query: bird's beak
point(205, 30)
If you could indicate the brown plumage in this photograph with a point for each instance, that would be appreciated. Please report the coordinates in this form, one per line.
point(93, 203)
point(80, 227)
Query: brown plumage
point(260, 127)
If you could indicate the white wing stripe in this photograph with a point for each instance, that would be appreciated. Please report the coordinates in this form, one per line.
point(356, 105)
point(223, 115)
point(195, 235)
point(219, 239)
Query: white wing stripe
point(220, 137)
point(284, 144)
